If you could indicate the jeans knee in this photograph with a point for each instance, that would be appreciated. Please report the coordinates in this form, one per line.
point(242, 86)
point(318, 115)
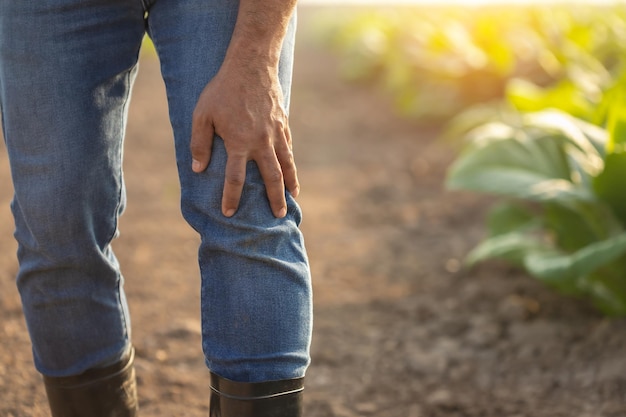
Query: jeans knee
point(64, 222)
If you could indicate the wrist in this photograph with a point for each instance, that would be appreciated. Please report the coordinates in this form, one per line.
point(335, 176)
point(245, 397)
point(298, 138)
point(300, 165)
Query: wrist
point(243, 51)
point(259, 31)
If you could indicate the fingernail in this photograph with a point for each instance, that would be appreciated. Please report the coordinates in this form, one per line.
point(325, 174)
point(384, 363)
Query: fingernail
point(296, 191)
point(282, 212)
point(196, 166)
point(229, 213)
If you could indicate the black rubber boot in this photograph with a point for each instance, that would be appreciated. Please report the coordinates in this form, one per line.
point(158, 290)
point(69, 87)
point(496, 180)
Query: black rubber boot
point(103, 392)
point(260, 399)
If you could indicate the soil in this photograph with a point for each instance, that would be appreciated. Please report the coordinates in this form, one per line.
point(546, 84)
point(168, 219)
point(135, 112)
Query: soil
point(401, 328)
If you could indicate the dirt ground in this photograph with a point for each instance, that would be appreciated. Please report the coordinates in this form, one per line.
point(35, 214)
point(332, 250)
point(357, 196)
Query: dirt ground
point(401, 329)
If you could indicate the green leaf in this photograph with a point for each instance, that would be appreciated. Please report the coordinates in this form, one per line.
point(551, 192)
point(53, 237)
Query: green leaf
point(525, 96)
point(617, 122)
point(578, 224)
point(500, 144)
point(566, 271)
point(507, 217)
point(596, 135)
point(513, 247)
point(608, 289)
point(610, 184)
point(474, 117)
point(582, 135)
point(509, 162)
point(565, 96)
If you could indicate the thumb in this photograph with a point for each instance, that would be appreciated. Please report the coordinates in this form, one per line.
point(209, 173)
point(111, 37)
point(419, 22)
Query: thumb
point(202, 132)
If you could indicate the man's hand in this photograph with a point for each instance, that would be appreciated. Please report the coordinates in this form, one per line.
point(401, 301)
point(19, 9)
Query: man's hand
point(243, 105)
point(245, 110)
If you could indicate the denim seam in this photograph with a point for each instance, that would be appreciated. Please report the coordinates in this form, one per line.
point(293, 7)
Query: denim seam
point(121, 190)
point(150, 31)
point(147, 4)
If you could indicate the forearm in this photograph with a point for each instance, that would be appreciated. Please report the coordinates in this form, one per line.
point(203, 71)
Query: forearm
point(243, 104)
point(259, 32)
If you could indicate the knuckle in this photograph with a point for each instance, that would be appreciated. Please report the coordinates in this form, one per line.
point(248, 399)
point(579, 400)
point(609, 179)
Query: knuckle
point(197, 118)
point(289, 158)
point(197, 148)
point(198, 114)
point(292, 169)
point(235, 179)
point(287, 161)
point(265, 138)
point(274, 177)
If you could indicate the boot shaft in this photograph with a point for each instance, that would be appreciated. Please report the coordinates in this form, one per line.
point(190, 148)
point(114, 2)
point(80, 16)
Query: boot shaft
point(103, 392)
point(262, 399)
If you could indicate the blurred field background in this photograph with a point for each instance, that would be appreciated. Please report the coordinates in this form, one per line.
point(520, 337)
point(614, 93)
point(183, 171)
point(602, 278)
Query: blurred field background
point(517, 108)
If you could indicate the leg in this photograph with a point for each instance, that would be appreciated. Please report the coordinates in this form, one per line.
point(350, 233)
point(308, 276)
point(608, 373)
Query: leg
point(66, 69)
point(256, 298)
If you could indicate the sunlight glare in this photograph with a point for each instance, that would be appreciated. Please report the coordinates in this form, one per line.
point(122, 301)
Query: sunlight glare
point(456, 2)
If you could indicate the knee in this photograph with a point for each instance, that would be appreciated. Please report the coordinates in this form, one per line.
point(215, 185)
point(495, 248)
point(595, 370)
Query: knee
point(63, 219)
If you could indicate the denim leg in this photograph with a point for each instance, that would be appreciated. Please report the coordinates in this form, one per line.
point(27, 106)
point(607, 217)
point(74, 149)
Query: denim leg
point(66, 69)
point(255, 280)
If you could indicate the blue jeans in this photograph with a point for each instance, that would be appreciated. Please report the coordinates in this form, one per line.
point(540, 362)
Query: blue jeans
point(66, 73)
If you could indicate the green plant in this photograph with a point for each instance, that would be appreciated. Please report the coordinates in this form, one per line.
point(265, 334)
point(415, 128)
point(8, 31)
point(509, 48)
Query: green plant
point(436, 61)
point(563, 217)
point(531, 90)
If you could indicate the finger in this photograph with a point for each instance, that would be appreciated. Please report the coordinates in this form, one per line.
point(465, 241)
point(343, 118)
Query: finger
point(274, 183)
point(233, 184)
point(284, 153)
point(202, 132)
